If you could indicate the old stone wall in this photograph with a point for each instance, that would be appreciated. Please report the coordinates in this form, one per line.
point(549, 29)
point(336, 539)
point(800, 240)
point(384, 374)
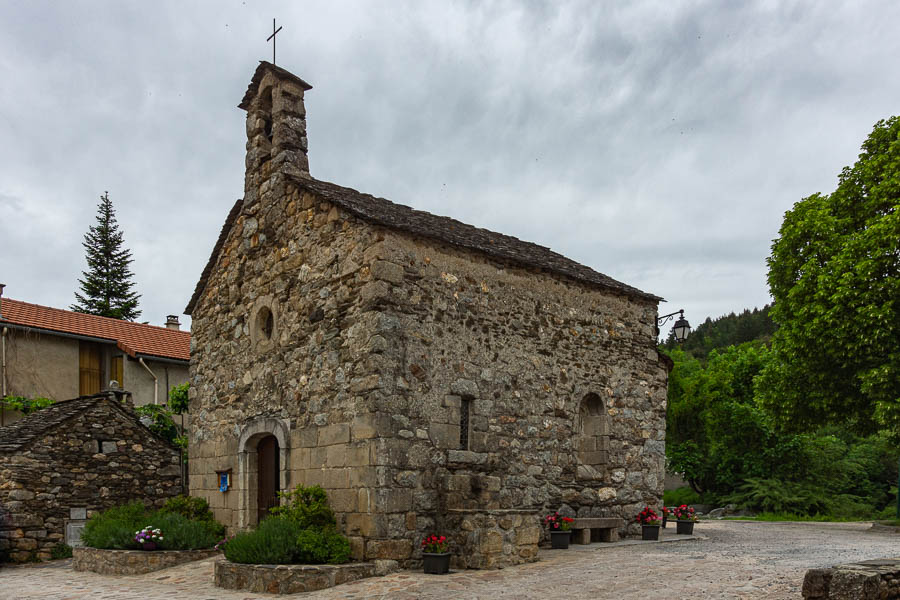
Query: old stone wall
point(877, 579)
point(509, 388)
point(284, 333)
point(99, 458)
point(133, 562)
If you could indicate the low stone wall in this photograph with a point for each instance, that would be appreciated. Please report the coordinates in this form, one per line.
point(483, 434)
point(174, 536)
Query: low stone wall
point(866, 580)
point(132, 562)
point(492, 539)
point(287, 579)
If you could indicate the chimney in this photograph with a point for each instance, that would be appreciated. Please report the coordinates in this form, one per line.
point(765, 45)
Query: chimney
point(2, 285)
point(276, 127)
point(172, 322)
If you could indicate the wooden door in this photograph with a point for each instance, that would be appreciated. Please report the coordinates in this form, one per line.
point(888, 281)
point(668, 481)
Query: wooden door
point(268, 485)
point(89, 375)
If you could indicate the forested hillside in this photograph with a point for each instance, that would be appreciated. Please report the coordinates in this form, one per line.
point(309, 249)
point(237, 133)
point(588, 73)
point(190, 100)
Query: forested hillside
point(727, 330)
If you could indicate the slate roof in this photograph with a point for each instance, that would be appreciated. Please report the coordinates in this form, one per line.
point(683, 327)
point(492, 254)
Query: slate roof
point(132, 338)
point(30, 427)
point(444, 229)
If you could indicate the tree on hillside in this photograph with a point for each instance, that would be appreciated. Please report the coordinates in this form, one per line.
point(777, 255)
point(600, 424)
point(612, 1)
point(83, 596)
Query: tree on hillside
point(724, 331)
point(107, 286)
point(834, 273)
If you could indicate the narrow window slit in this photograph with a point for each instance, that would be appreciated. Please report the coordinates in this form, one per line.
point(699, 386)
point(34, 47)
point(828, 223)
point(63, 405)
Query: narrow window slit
point(464, 408)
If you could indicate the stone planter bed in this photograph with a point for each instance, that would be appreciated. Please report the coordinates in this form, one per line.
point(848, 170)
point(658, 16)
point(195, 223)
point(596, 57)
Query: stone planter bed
point(132, 562)
point(287, 579)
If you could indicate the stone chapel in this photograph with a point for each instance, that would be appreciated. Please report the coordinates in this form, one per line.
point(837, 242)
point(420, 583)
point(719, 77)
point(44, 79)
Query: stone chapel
point(430, 375)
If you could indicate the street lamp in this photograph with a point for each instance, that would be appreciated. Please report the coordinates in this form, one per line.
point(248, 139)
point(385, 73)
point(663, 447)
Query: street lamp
point(681, 329)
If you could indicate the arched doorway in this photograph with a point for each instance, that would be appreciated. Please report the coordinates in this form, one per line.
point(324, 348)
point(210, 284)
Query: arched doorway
point(263, 468)
point(268, 475)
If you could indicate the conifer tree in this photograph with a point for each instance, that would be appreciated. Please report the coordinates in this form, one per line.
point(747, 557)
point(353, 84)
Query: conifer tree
point(106, 287)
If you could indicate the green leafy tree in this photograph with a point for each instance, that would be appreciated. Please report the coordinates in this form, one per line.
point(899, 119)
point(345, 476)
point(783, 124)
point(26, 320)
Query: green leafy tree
point(107, 286)
point(834, 273)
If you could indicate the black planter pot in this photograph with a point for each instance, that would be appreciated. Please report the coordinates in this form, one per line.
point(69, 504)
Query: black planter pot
point(649, 532)
point(559, 539)
point(685, 528)
point(665, 520)
point(436, 563)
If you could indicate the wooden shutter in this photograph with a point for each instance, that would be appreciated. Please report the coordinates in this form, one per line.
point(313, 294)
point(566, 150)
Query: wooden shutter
point(89, 375)
point(117, 371)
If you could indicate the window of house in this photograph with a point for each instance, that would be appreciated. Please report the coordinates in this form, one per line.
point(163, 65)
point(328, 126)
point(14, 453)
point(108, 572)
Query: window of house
point(90, 375)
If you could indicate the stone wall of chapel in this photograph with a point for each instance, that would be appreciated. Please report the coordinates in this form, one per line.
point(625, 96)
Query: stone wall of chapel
point(307, 263)
point(521, 350)
point(379, 341)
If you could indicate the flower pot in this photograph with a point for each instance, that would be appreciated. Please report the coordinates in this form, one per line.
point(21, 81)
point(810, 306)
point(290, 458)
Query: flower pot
point(436, 563)
point(685, 528)
point(665, 520)
point(649, 532)
point(559, 539)
point(148, 546)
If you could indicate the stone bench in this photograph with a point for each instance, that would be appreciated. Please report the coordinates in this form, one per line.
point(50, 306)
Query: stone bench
point(599, 529)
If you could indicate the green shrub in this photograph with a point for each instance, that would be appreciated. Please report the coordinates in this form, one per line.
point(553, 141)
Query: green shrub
point(115, 528)
point(322, 546)
point(181, 533)
point(682, 495)
point(189, 507)
point(274, 542)
point(776, 496)
point(61, 551)
point(306, 506)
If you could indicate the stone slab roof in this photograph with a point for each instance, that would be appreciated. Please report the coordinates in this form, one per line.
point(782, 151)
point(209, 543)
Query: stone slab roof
point(257, 78)
point(28, 428)
point(399, 217)
point(132, 338)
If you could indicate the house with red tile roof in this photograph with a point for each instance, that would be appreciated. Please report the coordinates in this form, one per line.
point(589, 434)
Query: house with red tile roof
point(60, 354)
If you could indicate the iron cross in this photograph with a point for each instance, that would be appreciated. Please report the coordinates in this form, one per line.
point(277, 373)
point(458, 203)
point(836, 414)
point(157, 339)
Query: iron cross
point(272, 37)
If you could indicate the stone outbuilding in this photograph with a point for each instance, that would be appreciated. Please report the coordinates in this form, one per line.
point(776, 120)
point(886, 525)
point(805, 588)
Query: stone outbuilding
point(430, 375)
point(61, 464)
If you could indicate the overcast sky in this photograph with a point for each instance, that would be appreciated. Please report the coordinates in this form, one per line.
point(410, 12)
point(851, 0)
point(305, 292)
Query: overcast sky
point(657, 142)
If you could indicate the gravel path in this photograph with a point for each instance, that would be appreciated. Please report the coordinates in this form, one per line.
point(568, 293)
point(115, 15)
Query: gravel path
point(735, 559)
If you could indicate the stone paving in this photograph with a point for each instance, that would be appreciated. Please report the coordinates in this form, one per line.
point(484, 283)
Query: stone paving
point(728, 559)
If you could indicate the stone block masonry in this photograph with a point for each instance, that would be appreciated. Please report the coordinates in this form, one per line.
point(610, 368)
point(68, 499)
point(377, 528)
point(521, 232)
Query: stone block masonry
point(866, 580)
point(133, 562)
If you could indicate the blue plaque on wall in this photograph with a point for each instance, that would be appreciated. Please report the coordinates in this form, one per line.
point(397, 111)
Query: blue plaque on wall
point(223, 481)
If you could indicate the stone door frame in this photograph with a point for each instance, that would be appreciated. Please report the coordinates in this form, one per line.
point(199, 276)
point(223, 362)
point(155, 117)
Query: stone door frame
point(252, 432)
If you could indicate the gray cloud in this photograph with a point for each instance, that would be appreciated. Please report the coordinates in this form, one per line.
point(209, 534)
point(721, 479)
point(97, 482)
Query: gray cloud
point(657, 142)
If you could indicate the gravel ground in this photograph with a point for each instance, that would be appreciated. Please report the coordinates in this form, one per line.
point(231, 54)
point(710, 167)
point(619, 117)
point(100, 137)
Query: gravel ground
point(729, 559)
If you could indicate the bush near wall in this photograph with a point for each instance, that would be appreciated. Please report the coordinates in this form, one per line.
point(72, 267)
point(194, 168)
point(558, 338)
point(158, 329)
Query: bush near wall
point(302, 531)
point(186, 524)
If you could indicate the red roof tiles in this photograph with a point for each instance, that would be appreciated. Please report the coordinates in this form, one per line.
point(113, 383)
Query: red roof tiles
point(132, 338)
